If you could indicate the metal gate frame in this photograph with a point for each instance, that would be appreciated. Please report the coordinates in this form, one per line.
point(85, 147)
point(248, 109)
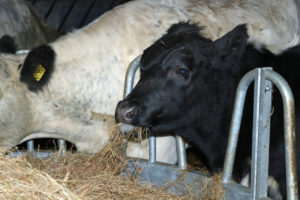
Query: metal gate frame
point(160, 174)
point(263, 78)
point(261, 136)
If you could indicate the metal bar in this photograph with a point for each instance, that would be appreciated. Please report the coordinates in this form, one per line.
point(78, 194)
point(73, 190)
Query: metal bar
point(261, 135)
point(289, 133)
point(235, 125)
point(62, 145)
point(36, 154)
point(128, 85)
point(22, 51)
point(152, 147)
point(130, 74)
point(30, 146)
point(181, 152)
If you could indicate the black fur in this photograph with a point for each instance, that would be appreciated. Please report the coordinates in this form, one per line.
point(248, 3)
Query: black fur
point(7, 44)
point(42, 55)
point(188, 85)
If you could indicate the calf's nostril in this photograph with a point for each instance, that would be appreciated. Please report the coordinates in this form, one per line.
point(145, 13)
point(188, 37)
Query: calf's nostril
point(130, 113)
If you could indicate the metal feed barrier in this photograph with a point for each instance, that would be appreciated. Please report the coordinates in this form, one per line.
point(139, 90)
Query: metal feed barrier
point(261, 136)
point(160, 174)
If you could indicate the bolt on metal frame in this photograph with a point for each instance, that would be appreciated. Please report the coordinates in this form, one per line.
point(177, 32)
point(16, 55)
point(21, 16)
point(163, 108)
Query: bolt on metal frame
point(261, 136)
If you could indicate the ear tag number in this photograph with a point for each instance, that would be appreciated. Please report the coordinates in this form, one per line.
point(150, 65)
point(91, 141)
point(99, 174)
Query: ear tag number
point(39, 72)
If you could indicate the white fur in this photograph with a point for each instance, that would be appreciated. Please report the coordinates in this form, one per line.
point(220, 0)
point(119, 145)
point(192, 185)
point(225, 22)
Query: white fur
point(78, 103)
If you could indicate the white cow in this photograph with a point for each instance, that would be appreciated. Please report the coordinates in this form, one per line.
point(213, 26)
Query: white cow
point(76, 102)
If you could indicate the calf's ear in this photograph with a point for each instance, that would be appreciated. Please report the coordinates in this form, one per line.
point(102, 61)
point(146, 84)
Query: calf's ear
point(184, 28)
point(38, 67)
point(231, 47)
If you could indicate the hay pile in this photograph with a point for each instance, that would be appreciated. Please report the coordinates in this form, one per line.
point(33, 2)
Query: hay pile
point(75, 176)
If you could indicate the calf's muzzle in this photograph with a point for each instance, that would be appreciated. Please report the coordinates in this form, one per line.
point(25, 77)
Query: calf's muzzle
point(125, 113)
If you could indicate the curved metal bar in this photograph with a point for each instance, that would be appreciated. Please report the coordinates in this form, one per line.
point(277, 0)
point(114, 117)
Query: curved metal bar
point(181, 152)
point(129, 82)
point(289, 133)
point(130, 74)
point(235, 124)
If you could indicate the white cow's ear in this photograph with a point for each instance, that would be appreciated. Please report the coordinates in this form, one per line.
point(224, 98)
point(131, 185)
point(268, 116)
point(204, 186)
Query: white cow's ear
point(38, 67)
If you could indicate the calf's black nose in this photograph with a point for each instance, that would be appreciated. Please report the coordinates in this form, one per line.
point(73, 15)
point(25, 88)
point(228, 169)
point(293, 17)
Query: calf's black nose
point(125, 113)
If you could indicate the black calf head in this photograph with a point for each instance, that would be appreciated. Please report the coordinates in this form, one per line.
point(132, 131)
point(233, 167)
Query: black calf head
point(185, 77)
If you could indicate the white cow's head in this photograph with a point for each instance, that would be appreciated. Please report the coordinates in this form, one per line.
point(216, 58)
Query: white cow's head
point(15, 108)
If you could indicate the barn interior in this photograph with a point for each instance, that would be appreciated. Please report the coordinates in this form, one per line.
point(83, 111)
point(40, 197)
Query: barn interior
point(53, 169)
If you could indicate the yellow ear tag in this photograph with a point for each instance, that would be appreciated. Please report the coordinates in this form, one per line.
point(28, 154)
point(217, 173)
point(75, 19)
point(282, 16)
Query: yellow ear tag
point(39, 72)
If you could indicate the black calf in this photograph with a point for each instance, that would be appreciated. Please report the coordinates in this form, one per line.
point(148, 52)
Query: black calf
point(188, 84)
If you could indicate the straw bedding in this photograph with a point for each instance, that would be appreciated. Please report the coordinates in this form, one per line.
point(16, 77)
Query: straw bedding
point(79, 176)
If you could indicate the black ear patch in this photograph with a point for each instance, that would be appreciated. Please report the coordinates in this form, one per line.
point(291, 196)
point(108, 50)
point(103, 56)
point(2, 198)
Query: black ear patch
point(184, 28)
point(38, 67)
point(7, 44)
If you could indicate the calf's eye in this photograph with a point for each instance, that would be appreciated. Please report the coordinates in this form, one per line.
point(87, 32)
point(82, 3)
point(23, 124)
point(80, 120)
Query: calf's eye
point(182, 71)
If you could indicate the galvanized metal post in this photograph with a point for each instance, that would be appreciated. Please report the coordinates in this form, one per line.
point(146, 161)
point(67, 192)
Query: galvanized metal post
point(261, 135)
point(30, 146)
point(152, 147)
point(181, 152)
point(62, 145)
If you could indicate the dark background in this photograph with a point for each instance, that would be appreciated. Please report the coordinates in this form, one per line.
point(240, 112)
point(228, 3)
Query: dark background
point(67, 15)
